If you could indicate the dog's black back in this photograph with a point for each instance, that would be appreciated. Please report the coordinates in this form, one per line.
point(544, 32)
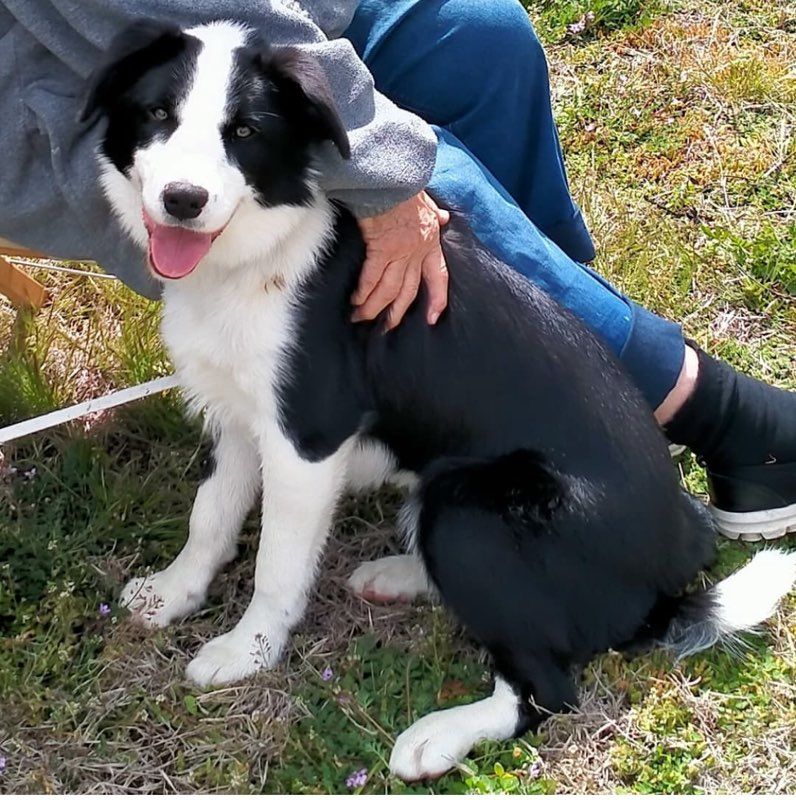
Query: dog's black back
point(551, 517)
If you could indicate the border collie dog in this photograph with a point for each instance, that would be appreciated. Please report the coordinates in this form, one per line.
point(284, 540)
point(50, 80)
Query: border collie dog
point(546, 513)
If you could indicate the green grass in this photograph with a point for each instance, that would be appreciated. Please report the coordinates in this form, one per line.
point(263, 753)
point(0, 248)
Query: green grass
point(580, 20)
point(677, 121)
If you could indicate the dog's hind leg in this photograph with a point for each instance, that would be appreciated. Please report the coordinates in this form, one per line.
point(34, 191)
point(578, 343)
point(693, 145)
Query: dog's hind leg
point(221, 505)
point(396, 579)
point(371, 465)
point(392, 579)
point(480, 525)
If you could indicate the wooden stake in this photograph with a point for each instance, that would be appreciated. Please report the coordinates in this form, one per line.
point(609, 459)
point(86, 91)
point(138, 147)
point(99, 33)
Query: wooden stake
point(19, 287)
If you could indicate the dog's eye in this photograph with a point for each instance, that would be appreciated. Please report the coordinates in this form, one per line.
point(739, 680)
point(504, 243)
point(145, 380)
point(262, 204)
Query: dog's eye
point(158, 113)
point(243, 131)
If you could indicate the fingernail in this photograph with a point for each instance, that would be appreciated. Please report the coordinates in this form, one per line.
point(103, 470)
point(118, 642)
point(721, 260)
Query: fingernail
point(432, 320)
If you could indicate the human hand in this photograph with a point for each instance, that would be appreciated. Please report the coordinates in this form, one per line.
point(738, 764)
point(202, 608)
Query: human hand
point(403, 249)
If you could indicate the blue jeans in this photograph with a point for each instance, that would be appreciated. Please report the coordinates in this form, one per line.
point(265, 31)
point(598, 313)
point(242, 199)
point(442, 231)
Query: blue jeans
point(475, 70)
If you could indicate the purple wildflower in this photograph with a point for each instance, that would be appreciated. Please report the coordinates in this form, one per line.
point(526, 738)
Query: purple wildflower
point(535, 770)
point(104, 609)
point(357, 779)
point(582, 24)
point(577, 27)
point(2, 764)
point(327, 674)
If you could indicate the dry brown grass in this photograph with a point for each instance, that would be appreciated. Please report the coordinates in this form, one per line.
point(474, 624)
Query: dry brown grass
point(672, 132)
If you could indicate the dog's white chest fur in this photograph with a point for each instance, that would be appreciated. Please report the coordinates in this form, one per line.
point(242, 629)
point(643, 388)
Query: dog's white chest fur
point(228, 348)
point(229, 329)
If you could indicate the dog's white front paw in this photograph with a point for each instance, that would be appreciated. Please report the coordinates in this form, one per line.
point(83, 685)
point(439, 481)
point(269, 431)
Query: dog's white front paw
point(389, 580)
point(255, 643)
point(431, 747)
point(163, 597)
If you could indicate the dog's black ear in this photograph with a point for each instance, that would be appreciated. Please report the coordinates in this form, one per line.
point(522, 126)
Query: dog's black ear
point(301, 81)
point(141, 46)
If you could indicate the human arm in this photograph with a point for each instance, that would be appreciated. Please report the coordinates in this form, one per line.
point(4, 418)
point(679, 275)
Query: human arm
point(392, 150)
point(54, 174)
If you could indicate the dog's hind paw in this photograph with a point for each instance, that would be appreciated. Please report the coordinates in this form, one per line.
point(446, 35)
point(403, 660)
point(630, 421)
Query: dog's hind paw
point(161, 598)
point(394, 579)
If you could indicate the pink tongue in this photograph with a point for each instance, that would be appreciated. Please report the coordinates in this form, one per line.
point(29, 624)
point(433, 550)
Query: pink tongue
point(175, 252)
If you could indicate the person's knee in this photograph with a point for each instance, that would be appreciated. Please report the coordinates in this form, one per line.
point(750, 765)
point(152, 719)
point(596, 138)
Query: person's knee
point(497, 34)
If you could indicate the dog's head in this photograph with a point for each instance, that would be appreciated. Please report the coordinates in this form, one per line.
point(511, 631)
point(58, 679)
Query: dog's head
point(204, 125)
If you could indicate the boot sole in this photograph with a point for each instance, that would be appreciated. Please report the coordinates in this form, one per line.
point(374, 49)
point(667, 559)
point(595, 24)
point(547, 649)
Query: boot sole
point(755, 526)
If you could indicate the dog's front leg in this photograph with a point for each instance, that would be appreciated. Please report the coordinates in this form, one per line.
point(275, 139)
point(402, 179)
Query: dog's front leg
point(299, 498)
point(221, 505)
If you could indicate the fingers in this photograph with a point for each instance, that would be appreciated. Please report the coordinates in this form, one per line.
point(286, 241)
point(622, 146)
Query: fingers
point(398, 289)
point(405, 298)
point(372, 271)
point(403, 248)
point(384, 292)
point(435, 277)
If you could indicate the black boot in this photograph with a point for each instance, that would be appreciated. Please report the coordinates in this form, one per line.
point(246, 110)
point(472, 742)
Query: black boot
point(744, 432)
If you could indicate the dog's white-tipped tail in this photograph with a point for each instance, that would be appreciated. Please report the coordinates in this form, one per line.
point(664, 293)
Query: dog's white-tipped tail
point(748, 597)
point(738, 603)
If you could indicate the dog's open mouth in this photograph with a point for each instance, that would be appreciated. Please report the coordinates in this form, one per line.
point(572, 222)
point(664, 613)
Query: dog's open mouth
point(174, 252)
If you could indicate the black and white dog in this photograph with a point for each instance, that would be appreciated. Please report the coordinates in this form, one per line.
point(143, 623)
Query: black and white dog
point(547, 514)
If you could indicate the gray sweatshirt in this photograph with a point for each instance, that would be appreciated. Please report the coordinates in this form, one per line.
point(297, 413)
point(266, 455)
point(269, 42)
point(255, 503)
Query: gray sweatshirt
point(49, 195)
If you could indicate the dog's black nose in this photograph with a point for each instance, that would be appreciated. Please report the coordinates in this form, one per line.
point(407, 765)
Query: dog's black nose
point(184, 200)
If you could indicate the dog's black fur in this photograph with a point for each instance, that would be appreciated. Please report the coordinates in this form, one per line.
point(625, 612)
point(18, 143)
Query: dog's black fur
point(550, 516)
point(552, 520)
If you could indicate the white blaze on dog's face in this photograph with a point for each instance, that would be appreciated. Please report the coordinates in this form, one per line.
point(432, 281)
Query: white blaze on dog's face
point(201, 126)
point(187, 178)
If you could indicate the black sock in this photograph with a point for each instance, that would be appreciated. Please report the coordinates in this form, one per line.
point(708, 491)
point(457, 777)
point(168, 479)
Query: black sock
point(734, 420)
